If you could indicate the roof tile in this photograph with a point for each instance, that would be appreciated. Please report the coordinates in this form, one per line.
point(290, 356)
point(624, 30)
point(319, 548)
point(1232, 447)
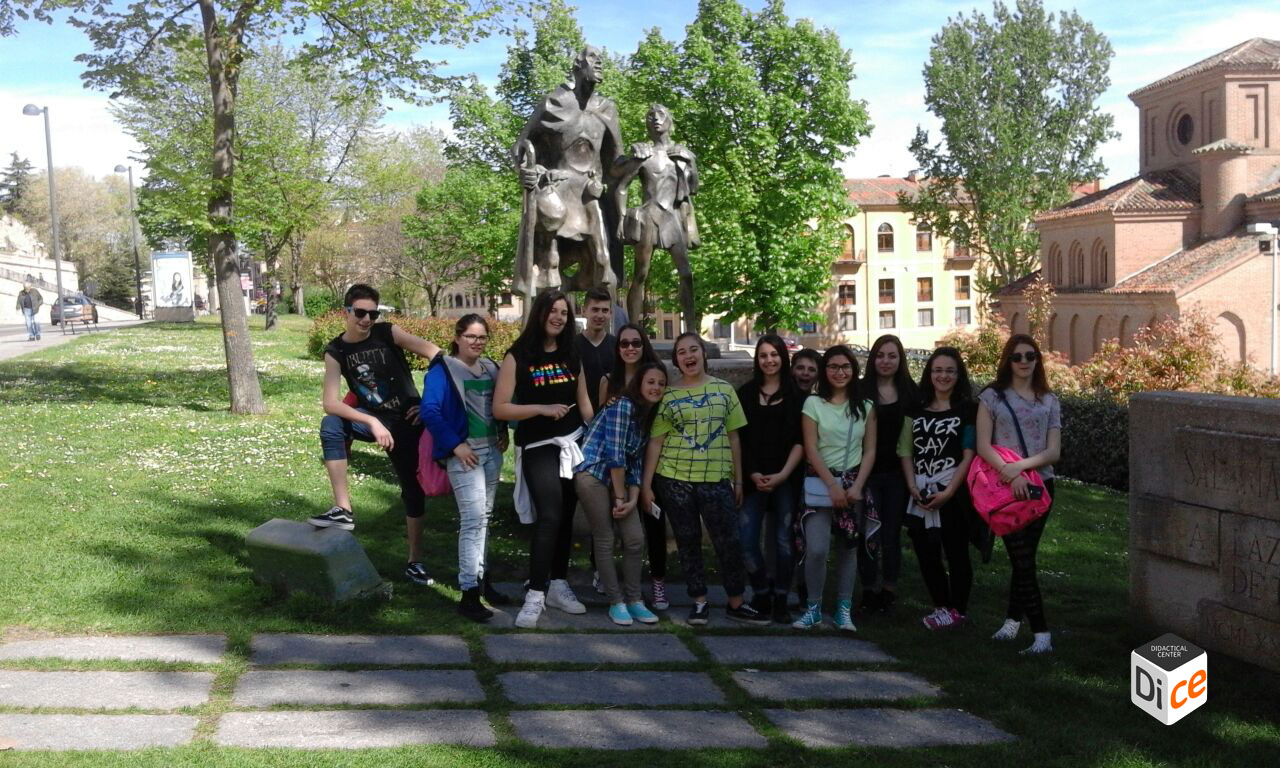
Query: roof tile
point(1258, 53)
point(1168, 190)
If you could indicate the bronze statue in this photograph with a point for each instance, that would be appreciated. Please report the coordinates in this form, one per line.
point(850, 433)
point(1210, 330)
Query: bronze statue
point(665, 219)
point(564, 155)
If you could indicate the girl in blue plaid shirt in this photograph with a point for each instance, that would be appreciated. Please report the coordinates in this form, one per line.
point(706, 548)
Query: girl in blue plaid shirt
point(608, 485)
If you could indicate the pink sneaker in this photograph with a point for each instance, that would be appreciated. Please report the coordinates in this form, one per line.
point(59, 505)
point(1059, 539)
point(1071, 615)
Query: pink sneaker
point(942, 618)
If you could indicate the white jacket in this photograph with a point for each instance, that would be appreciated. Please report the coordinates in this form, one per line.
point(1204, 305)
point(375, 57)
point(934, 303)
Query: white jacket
point(570, 457)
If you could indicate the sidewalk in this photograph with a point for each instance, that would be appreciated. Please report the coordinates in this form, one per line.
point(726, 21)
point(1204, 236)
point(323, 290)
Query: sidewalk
point(13, 338)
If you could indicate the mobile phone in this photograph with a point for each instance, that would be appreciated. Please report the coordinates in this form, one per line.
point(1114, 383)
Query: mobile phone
point(1035, 491)
point(926, 498)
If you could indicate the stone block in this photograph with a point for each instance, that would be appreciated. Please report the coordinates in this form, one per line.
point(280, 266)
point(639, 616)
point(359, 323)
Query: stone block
point(104, 690)
point(191, 649)
point(1239, 634)
point(384, 687)
point(586, 649)
point(1164, 593)
point(1249, 577)
point(635, 729)
point(1227, 470)
point(745, 649)
point(67, 732)
point(327, 562)
point(1174, 529)
point(649, 688)
point(885, 727)
point(354, 729)
point(834, 685)
point(390, 650)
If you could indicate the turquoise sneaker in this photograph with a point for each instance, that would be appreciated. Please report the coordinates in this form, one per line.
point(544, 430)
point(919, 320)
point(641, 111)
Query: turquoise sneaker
point(619, 615)
point(811, 617)
point(844, 616)
point(642, 614)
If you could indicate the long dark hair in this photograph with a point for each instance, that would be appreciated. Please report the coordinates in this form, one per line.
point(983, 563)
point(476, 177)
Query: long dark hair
point(529, 344)
point(902, 382)
point(851, 389)
point(1004, 374)
point(644, 413)
point(465, 322)
point(618, 376)
point(962, 395)
point(785, 385)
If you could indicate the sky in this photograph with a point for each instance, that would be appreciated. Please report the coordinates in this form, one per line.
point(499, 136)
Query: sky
point(889, 43)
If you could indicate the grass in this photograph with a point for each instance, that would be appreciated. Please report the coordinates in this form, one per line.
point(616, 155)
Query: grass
point(129, 490)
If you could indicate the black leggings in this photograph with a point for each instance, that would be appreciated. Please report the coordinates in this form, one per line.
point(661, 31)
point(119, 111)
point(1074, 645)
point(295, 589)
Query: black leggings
point(554, 499)
point(691, 506)
point(655, 536)
point(1024, 589)
point(949, 586)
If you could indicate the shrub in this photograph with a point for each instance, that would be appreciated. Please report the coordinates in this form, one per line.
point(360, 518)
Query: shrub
point(317, 302)
point(436, 329)
point(1095, 440)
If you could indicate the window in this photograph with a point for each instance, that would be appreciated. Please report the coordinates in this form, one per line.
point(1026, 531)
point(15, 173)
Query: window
point(666, 330)
point(924, 289)
point(887, 319)
point(457, 301)
point(924, 318)
point(506, 298)
point(848, 321)
point(960, 252)
point(962, 316)
point(1185, 129)
point(1075, 264)
point(848, 253)
point(962, 287)
point(847, 294)
point(719, 330)
point(808, 327)
point(924, 239)
point(886, 291)
point(884, 238)
point(1054, 265)
point(1099, 259)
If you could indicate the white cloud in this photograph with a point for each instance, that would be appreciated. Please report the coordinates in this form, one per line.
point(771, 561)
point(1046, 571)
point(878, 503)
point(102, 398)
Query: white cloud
point(81, 130)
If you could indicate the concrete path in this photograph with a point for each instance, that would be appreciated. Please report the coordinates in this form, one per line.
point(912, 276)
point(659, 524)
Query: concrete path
point(629, 691)
point(13, 338)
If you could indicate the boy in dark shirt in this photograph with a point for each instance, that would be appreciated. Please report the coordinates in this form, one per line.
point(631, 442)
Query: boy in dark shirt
point(370, 356)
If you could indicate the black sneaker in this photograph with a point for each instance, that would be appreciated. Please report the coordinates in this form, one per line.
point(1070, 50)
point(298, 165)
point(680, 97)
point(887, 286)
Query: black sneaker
point(762, 602)
point(491, 595)
point(780, 613)
point(745, 614)
point(416, 573)
point(337, 517)
point(471, 607)
point(699, 613)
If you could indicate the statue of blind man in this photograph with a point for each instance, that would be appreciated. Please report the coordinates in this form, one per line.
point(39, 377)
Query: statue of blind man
point(564, 155)
point(669, 178)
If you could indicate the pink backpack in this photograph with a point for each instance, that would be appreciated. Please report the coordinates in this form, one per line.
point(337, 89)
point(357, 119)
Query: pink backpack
point(431, 476)
point(994, 500)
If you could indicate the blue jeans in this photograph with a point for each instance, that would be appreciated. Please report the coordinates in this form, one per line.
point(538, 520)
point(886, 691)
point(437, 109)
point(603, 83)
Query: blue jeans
point(474, 490)
point(336, 431)
point(32, 320)
point(780, 505)
point(889, 490)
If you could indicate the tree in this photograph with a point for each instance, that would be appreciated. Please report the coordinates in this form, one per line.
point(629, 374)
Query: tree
point(92, 215)
point(372, 45)
point(15, 180)
point(1017, 96)
point(464, 230)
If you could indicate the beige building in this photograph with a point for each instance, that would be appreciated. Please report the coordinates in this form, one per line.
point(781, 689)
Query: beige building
point(1184, 231)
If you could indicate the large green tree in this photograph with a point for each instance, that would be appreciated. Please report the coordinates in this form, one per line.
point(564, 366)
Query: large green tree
point(371, 44)
point(1017, 95)
point(15, 179)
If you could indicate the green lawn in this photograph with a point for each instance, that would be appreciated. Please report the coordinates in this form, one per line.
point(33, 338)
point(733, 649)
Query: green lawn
point(129, 490)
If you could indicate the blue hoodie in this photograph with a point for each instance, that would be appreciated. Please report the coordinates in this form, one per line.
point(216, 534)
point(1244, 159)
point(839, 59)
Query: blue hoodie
point(443, 411)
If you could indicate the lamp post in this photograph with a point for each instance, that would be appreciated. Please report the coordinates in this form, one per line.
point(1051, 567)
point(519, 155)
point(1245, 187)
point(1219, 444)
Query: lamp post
point(133, 235)
point(31, 110)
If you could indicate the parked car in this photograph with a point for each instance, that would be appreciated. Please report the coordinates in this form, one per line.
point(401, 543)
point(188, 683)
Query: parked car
point(75, 308)
point(793, 345)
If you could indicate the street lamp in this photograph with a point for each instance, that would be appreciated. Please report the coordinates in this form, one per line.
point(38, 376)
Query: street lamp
point(31, 110)
point(133, 235)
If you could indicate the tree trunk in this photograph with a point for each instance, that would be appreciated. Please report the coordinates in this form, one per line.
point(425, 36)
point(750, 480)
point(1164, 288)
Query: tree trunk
point(242, 377)
point(212, 293)
point(295, 273)
point(273, 318)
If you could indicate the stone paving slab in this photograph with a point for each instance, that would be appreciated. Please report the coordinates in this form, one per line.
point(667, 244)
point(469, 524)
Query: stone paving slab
point(834, 685)
point(359, 649)
point(59, 732)
point(104, 690)
point(194, 649)
point(595, 620)
point(355, 729)
point(747, 649)
point(885, 727)
point(643, 688)
point(587, 595)
point(586, 649)
point(385, 687)
point(635, 729)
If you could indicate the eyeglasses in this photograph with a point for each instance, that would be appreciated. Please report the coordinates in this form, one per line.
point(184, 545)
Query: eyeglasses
point(363, 313)
point(630, 344)
point(471, 337)
point(1018, 357)
point(842, 368)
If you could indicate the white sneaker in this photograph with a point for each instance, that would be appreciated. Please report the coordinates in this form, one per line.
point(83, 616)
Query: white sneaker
point(532, 609)
point(1007, 631)
point(1042, 644)
point(561, 596)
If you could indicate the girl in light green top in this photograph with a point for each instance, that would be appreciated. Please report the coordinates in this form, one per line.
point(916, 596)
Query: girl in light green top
point(840, 445)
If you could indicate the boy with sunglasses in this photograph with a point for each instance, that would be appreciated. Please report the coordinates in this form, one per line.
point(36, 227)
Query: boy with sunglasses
point(370, 356)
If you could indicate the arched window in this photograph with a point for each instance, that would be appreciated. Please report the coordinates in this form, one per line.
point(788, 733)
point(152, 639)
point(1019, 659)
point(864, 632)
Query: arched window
point(1053, 265)
point(924, 239)
point(884, 238)
point(457, 301)
point(1075, 264)
point(1100, 264)
point(848, 253)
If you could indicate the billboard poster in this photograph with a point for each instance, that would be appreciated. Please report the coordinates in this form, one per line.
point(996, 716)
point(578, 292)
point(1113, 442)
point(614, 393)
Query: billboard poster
point(173, 285)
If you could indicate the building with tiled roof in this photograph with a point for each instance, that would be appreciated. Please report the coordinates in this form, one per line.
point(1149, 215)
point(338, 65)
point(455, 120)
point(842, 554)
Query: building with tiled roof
point(1176, 235)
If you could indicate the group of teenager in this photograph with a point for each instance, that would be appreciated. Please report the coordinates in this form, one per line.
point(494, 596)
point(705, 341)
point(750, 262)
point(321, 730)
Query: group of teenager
point(811, 459)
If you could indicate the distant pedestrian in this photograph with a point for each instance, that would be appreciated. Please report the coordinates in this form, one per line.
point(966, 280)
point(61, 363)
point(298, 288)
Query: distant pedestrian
point(29, 303)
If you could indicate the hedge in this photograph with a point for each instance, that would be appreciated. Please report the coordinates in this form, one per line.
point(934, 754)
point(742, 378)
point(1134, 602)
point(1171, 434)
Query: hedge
point(1095, 440)
point(437, 329)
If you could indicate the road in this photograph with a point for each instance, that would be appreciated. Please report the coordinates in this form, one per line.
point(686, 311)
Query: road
point(13, 338)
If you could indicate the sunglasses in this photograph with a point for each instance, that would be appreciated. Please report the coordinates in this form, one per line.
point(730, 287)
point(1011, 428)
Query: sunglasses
point(361, 314)
point(630, 344)
point(1018, 357)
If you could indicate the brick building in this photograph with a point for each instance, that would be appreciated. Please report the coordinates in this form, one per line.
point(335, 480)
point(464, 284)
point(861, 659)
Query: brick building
point(1177, 235)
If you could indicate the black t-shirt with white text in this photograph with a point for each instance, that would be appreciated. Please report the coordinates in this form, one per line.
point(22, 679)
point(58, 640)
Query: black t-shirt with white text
point(377, 372)
point(938, 438)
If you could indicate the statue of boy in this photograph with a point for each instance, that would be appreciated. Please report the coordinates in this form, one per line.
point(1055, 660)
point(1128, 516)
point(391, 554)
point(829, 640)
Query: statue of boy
point(669, 176)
